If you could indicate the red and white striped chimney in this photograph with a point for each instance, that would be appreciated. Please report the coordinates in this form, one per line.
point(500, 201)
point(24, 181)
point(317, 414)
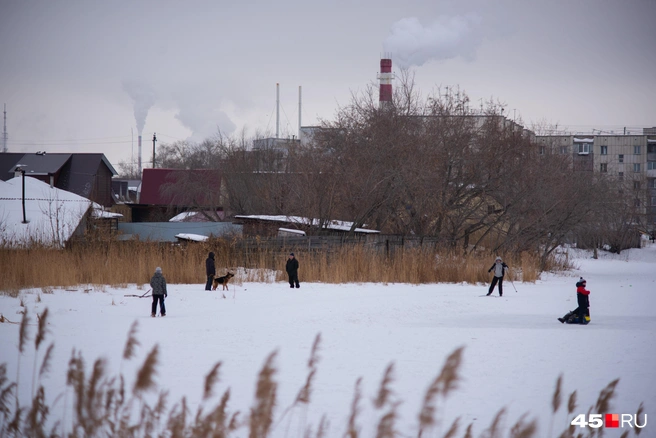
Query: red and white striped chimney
point(385, 77)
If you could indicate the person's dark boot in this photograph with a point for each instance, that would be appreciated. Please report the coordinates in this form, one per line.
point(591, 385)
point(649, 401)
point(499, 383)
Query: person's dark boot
point(565, 318)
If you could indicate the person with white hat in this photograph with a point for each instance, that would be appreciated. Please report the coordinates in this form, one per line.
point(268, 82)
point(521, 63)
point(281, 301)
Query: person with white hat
point(499, 268)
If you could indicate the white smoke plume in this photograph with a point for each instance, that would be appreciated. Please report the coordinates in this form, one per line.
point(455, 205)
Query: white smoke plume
point(412, 44)
point(143, 97)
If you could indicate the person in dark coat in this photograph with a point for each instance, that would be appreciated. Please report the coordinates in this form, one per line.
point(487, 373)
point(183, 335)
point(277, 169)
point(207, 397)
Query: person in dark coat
point(210, 271)
point(581, 314)
point(499, 268)
point(292, 271)
point(158, 284)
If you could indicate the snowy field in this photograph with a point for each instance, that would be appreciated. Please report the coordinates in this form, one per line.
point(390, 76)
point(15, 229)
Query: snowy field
point(515, 348)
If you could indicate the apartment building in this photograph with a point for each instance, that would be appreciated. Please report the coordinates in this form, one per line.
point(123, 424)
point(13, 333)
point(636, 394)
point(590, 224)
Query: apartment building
point(631, 158)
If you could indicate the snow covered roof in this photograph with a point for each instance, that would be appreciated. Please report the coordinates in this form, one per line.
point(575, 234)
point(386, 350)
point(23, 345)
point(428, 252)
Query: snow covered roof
point(100, 213)
point(192, 237)
point(292, 231)
point(583, 140)
point(52, 214)
point(332, 225)
point(197, 216)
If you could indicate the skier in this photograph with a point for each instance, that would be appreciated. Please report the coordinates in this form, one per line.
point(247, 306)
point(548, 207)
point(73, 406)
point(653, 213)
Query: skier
point(580, 315)
point(500, 269)
point(158, 283)
point(292, 270)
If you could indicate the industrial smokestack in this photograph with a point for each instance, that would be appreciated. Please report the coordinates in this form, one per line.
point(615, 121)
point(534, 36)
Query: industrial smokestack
point(139, 152)
point(385, 77)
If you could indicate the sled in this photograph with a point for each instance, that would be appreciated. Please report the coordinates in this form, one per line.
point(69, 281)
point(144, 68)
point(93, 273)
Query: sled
point(139, 296)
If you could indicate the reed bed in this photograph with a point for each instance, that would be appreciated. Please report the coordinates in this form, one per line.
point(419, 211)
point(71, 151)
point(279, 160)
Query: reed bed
point(103, 405)
point(117, 264)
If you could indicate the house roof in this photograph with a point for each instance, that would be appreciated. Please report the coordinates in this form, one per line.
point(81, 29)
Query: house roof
point(81, 174)
point(52, 214)
point(8, 161)
point(332, 225)
point(195, 180)
point(42, 164)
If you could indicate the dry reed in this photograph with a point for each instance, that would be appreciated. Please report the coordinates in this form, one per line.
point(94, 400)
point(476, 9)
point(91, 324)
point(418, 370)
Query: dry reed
point(102, 409)
point(122, 263)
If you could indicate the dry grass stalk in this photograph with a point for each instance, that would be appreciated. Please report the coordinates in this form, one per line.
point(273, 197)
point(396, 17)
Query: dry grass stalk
point(261, 416)
point(453, 430)
point(146, 375)
point(353, 431)
point(639, 412)
point(314, 353)
point(22, 334)
point(384, 390)
point(37, 416)
point(469, 433)
point(556, 399)
point(521, 429)
point(494, 431)
point(443, 384)
point(571, 403)
point(42, 330)
point(210, 380)
point(45, 364)
point(385, 427)
point(605, 397)
point(322, 430)
point(132, 342)
point(349, 263)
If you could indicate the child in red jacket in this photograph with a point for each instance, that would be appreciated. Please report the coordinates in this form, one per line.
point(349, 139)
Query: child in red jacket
point(582, 312)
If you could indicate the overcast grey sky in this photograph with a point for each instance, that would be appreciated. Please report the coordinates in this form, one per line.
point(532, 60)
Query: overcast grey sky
point(86, 75)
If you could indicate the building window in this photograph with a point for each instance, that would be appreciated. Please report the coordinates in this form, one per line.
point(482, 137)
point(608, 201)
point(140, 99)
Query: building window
point(563, 149)
point(542, 150)
point(604, 150)
point(621, 158)
point(636, 185)
point(651, 149)
point(651, 183)
point(620, 175)
point(636, 167)
point(636, 150)
point(651, 165)
point(603, 167)
point(582, 148)
point(636, 202)
point(653, 200)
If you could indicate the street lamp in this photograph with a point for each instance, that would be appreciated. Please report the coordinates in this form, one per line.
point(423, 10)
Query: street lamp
point(21, 168)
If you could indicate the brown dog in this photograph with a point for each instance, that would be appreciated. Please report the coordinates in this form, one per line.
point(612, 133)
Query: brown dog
point(222, 280)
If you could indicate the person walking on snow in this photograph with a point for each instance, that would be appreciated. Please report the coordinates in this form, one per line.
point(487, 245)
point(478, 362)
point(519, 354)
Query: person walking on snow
point(499, 268)
point(292, 270)
point(210, 271)
point(158, 284)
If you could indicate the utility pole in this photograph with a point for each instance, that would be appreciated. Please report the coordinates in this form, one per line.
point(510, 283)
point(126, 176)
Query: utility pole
point(154, 140)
